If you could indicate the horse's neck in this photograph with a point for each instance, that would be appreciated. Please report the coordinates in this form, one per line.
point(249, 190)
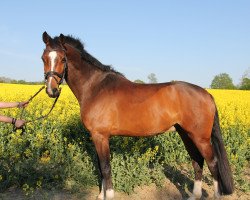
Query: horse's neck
point(82, 78)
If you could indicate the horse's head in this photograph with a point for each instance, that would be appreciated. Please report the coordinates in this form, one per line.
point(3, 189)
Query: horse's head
point(55, 63)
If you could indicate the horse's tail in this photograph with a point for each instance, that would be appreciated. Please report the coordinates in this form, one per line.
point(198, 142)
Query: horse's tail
point(225, 179)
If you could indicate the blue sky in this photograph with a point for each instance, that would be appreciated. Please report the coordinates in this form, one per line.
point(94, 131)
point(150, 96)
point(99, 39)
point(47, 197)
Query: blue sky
point(177, 40)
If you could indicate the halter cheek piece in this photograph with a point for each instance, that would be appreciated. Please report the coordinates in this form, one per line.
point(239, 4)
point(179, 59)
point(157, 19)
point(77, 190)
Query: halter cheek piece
point(53, 73)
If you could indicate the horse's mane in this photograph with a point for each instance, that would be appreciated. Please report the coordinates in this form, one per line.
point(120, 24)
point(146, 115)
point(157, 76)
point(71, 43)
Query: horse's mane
point(77, 44)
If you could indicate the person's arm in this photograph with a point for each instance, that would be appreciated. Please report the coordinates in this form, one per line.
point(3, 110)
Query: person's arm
point(13, 104)
point(6, 119)
point(9, 104)
point(19, 123)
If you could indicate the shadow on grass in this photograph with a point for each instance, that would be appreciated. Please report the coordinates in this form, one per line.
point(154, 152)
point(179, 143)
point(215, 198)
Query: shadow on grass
point(181, 181)
point(77, 134)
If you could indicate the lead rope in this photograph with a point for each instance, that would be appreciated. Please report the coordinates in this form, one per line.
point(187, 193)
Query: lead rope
point(39, 118)
point(30, 99)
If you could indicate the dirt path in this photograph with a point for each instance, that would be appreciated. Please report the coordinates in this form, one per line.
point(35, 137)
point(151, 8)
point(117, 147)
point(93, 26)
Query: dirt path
point(169, 192)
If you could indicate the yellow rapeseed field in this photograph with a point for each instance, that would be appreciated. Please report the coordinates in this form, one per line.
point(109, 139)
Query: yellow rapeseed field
point(233, 106)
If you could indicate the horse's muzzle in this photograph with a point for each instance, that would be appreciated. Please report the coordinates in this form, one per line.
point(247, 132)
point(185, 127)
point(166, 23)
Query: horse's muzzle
point(53, 93)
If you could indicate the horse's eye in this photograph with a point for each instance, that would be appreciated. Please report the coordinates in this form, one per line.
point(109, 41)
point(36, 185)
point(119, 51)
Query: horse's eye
point(64, 60)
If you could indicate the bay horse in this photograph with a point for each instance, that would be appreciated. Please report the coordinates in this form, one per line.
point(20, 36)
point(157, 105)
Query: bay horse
point(111, 105)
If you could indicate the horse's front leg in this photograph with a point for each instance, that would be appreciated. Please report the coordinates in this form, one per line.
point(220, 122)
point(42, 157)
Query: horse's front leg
point(102, 147)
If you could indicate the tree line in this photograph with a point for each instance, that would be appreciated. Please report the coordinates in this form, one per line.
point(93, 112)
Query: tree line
point(13, 81)
point(224, 81)
point(220, 81)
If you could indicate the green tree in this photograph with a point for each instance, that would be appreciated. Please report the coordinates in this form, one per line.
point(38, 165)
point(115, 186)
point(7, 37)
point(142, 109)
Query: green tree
point(245, 84)
point(222, 81)
point(245, 80)
point(152, 78)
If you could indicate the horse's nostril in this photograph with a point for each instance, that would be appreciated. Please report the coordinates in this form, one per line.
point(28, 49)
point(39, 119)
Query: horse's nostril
point(54, 90)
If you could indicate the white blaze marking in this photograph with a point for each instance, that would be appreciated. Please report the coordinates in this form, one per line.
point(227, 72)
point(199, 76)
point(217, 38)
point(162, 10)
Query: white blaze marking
point(52, 56)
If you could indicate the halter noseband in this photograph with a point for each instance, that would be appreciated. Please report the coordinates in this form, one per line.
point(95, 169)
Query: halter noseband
point(53, 73)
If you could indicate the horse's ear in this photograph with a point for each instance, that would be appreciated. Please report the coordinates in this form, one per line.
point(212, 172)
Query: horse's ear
point(62, 39)
point(46, 38)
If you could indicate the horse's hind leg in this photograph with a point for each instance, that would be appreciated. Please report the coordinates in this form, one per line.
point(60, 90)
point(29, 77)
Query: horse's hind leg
point(102, 147)
point(197, 162)
point(206, 149)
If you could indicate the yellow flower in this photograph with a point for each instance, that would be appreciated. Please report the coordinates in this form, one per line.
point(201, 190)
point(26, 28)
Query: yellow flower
point(28, 153)
point(45, 157)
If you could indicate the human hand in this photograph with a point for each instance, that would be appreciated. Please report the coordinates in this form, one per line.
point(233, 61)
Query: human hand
point(23, 104)
point(19, 123)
